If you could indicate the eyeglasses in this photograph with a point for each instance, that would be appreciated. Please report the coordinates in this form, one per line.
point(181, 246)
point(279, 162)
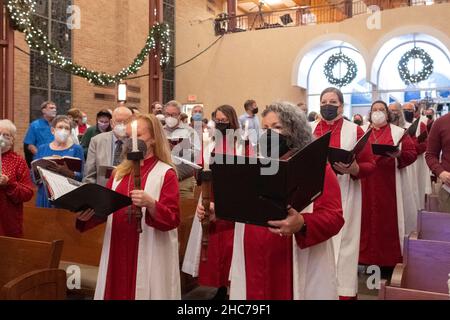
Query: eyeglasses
point(222, 121)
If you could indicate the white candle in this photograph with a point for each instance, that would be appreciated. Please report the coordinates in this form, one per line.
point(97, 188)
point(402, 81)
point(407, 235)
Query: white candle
point(134, 136)
point(206, 154)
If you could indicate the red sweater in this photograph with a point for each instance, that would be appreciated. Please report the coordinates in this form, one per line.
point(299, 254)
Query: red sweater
point(439, 141)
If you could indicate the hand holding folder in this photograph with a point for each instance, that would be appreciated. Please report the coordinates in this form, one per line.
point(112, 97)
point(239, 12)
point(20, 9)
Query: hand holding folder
point(49, 163)
point(387, 150)
point(75, 196)
point(243, 194)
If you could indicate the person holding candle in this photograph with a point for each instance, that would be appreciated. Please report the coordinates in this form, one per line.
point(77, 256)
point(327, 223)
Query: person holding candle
point(105, 149)
point(15, 183)
point(141, 266)
point(214, 272)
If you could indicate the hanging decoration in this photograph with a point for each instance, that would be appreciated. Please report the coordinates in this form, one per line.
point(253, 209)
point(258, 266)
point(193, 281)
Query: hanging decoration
point(21, 11)
point(349, 76)
point(427, 68)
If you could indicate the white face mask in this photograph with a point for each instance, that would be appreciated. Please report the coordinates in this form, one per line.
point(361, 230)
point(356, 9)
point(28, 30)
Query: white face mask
point(61, 135)
point(120, 130)
point(378, 117)
point(171, 122)
point(84, 120)
point(5, 144)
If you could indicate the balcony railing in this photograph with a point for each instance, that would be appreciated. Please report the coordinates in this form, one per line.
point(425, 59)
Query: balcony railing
point(309, 15)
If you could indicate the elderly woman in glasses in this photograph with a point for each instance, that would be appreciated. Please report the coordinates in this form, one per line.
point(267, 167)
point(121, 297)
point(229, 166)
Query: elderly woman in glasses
point(15, 183)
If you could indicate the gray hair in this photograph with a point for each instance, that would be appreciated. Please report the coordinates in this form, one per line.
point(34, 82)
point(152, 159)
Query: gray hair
point(295, 125)
point(8, 125)
point(173, 103)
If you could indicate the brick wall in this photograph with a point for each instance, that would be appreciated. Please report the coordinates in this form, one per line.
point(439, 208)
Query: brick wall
point(112, 34)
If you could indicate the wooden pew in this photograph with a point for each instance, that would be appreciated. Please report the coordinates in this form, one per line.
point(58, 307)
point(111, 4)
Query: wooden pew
point(431, 202)
point(433, 226)
point(25, 268)
point(425, 267)
point(388, 292)
point(84, 249)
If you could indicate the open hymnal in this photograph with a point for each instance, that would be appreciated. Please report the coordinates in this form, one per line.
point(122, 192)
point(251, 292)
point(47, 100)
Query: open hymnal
point(72, 163)
point(386, 149)
point(345, 156)
point(75, 196)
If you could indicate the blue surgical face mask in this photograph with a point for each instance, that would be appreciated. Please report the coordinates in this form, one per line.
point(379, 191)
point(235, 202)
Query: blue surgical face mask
point(197, 116)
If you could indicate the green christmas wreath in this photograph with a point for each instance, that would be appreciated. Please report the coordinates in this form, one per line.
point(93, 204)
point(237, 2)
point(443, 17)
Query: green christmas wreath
point(349, 76)
point(20, 12)
point(427, 69)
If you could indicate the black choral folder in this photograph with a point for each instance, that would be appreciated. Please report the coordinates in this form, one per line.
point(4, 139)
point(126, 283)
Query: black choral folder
point(345, 156)
point(69, 194)
point(243, 194)
point(384, 149)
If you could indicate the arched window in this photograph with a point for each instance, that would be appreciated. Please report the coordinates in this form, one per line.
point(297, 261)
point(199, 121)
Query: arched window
point(385, 73)
point(357, 94)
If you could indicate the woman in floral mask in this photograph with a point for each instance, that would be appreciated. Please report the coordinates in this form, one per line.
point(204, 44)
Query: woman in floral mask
point(61, 146)
point(382, 223)
point(15, 183)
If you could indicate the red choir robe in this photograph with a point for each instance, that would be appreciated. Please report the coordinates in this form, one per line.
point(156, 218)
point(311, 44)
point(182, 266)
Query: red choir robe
point(344, 135)
point(122, 264)
point(215, 271)
point(265, 269)
point(382, 225)
point(18, 190)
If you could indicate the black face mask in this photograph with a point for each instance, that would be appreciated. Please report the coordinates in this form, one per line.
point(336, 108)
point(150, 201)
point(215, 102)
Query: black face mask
point(273, 144)
point(255, 111)
point(222, 127)
point(329, 111)
point(358, 122)
point(430, 116)
point(409, 115)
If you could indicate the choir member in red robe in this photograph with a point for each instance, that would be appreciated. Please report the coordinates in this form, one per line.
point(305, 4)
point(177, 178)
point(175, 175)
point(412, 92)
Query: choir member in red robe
point(294, 258)
point(344, 135)
point(15, 183)
point(382, 227)
point(133, 265)
point(215, 270)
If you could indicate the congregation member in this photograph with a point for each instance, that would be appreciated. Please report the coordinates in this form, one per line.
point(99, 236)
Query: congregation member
point(103, 124)
point(143, 266)
point(183, 144)
point(294, 258)
point(75, 115)
point(249, 122)
point(214, 272)
point(105, 149)
point(39, 131)
point(61, 146)
point(83, 125)
point(156, 108)
point(382, 222)
point(438, 158)
point(344, 135)
point(16, 187)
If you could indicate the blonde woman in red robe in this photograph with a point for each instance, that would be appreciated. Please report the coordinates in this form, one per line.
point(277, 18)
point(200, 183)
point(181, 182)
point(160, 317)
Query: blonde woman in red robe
point(141, 266)
point(383, 212)
point(293, 259)
point(15, 183)
point(344, 135)
point(215, 270)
